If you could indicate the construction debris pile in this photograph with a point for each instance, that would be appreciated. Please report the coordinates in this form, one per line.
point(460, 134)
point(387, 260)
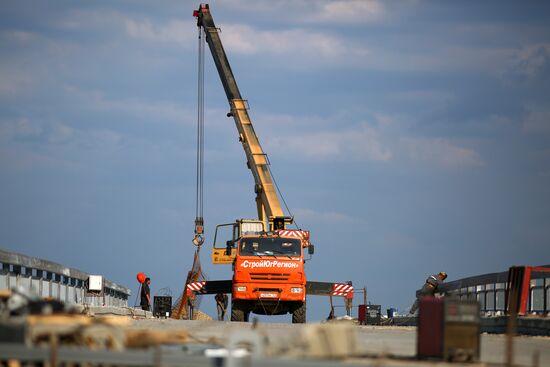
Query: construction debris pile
point(34, 330)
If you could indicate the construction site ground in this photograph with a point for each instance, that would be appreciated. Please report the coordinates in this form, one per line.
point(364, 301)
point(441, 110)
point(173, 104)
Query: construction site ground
point(382, 345)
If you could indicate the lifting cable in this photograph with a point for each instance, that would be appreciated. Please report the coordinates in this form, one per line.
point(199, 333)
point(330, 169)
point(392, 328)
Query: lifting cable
point(186, 299)
point(281, 195)
point(198, 239)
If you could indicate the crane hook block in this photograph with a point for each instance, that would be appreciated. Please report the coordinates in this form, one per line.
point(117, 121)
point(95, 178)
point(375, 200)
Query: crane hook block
point(198, 240)
point(199, 225)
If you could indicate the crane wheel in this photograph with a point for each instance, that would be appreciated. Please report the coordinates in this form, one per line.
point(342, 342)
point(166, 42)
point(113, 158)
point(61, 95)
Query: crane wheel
point(299, 314)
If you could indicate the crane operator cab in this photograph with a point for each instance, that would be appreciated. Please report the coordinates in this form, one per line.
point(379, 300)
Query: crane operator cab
point(251, 238)
point(226, 235)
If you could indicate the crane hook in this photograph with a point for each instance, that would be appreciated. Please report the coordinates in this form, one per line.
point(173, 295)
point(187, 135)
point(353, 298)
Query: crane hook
point(198, 239)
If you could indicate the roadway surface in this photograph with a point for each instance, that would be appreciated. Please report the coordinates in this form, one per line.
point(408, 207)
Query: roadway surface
point(386, 345)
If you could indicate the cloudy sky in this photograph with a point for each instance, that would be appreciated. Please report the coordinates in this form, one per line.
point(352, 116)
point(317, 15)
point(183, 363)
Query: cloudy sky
point(410, 137)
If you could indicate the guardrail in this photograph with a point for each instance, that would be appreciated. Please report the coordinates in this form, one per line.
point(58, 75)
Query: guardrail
point(490, 291)
point(52, 280)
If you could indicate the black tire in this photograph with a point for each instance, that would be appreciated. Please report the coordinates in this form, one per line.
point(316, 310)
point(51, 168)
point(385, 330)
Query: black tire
point(299, 314)
point(238, 312)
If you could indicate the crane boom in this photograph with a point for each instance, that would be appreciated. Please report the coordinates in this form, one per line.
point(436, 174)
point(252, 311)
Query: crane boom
point(268, 262)
point(267, 201)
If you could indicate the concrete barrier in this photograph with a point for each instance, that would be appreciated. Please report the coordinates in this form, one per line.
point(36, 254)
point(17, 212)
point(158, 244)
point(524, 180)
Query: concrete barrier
point(51, 280)
point(534, 326)
point(490, 291)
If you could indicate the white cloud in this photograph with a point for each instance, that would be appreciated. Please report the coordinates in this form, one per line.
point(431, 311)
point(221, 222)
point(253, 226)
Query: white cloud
point(490, 125)
point(118, 24)
point(302, 46)
point(363, 143)
point(386, 140)
point(25, 129)
point(102, 138)
point(319, 11)
point(14, 80)
point(440, 151)
point(18, 36)
point(180, 32)
point(435, 98)
point(296, 42)
point(154, 110)
point(59, 133)
point(278, 119)
point(429, 48)
point(384, 119)
point(530, 60)
point(298, 46)
point(19, 159)
point(442, 58)
point(245, 39)
point(52, 133)
point(346, 11)
point(88, 20)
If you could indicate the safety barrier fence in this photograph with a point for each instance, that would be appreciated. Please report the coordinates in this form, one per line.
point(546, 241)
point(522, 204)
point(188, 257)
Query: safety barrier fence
point(490, 291)
point(51, 280)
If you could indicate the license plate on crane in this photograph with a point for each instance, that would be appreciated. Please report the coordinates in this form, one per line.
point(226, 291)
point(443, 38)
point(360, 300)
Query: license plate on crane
point(269, 295)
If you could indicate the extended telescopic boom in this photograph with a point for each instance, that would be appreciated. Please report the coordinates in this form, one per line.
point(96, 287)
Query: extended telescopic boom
point(267, 201)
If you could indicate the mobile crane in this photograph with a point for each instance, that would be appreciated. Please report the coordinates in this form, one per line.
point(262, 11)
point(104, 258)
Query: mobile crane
point(267, 257)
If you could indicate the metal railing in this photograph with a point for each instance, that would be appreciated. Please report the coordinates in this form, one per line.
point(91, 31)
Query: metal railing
point(490, 291)
point(51, 280)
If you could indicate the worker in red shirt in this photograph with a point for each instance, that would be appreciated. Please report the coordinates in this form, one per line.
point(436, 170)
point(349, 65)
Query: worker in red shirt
point(428, 289)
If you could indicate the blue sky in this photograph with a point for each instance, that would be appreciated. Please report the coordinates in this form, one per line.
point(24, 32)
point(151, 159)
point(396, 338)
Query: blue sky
point(410, 137)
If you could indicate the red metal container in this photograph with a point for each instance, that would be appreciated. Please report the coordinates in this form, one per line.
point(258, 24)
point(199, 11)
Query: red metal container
point(429, 341)
point(362, 314)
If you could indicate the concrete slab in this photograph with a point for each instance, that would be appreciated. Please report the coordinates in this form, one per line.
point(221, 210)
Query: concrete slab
point(117, 311)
